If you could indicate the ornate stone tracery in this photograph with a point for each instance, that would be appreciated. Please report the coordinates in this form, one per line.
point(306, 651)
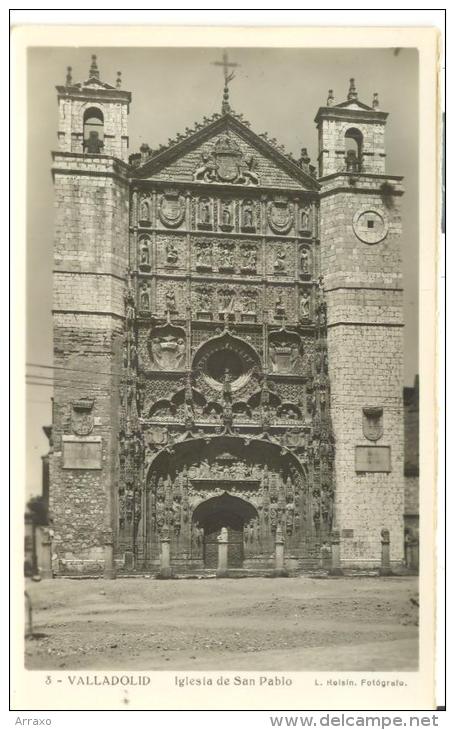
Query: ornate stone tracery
point(225, 398)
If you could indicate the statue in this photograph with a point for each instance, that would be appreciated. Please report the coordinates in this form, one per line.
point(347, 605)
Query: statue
point(304, 220)
point(280, 259)
point(279, 305)
point(170, 302)
point(144, 210)
point(223, 536)
point(144, 296)
point(226, 215)
point(248, 216)
point(304, 261)
point(171, 253)
point(144, 257)
point(204, 212)
point(305, 306)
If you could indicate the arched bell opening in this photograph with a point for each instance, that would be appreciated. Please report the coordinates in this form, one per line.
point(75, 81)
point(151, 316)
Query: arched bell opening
point(93, 130)
point(232, 513)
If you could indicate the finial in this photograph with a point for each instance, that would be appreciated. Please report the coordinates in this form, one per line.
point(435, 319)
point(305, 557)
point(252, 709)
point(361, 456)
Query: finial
point(304, 156)
point(225, 106)
point(69, 78)
point(375, 103)
point(118, 83)
point(352, 93)
point(94, 71)
point(330, 98)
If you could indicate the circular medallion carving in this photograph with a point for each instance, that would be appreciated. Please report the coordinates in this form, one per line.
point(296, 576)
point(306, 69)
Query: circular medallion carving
point(226, 359)
point(370, 225)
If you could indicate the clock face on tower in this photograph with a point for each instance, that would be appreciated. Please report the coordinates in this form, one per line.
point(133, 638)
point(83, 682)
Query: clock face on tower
point(370, 225)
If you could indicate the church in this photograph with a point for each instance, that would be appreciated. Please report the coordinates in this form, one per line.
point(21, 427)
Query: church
point(228, 342)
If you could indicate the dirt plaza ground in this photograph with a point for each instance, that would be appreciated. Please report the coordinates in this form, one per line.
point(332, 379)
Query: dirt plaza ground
point(304, 623)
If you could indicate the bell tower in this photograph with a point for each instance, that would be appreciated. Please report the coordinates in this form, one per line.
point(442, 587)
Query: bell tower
point(89, 279)
point(360, 228)
point(93, 115)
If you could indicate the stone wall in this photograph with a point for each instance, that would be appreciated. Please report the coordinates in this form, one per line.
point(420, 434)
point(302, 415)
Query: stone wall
point(91, 244)
point(362, 284)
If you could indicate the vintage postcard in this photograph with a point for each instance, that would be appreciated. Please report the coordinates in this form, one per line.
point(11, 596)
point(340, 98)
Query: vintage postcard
point(228, 251)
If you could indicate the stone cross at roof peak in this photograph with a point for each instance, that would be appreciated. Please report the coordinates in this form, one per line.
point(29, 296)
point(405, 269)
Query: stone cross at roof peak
point(226, 64)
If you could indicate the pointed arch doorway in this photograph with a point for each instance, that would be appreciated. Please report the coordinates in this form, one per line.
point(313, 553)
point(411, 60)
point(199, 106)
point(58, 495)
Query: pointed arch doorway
point(223, 511)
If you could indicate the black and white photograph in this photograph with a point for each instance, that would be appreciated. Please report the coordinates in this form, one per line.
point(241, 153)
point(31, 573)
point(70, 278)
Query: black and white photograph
point(222, 365)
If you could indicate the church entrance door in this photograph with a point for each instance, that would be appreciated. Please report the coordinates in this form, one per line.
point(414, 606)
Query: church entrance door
point(218, 512)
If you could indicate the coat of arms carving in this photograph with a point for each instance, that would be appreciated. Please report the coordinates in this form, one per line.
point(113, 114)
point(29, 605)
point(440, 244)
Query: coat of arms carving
point(373, 427)
point(156, 436)
point(280, 215)
point(171, 208)
point(82, 421)
point(168, 348)
point(227, 164)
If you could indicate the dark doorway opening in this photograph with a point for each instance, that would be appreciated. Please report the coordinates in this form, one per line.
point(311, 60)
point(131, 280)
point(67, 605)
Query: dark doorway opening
point(224, 511)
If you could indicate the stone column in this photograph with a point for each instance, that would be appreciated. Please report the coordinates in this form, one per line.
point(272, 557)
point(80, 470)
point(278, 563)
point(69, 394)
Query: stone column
point(109, 567)
point(385, 553)
point(165, 555)
point(223, 541)
point(279, 553)
point(45, 553)
point(336, 561)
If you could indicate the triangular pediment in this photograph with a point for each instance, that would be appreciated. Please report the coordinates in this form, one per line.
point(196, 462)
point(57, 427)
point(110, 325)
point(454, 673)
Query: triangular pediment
point(226, 152)
point(353, 104)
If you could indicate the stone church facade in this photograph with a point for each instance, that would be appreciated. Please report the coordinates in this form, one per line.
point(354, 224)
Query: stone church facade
point(227, 342)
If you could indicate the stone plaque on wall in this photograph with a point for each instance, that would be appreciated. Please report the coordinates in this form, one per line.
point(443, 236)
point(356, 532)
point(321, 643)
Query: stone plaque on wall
point(81, 453)
point(372, 458)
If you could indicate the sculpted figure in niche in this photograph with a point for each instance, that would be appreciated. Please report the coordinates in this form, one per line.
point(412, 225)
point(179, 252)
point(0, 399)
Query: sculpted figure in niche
point(305, 261)
point(204, 301)
point(304, 220)
point(252, 259)
point(144, 255)
point(279, 304)
point(304, 306)
point(204, 211)
point(227, 300)
point(248, 215)
point(144, 210)
point(170, 301)
point(172, 255)
point(144, 296)
point(226, 215)
point(280, 261)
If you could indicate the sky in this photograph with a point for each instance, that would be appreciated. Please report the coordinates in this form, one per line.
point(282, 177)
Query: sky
point(277, 90)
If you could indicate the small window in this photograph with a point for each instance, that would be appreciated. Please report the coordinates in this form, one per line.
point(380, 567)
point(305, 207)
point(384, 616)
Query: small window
point(370, 224)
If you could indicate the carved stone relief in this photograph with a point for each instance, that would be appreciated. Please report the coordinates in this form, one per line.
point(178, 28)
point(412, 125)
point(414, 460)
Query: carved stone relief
point(284, 352)
point(171, 209)
point(280, 215)
point(144, 253)
point(145, 211)
point(225, 163)
point(167, 347)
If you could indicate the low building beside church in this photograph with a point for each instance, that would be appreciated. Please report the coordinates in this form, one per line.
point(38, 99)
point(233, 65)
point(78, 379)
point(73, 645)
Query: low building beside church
point(228, 351)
